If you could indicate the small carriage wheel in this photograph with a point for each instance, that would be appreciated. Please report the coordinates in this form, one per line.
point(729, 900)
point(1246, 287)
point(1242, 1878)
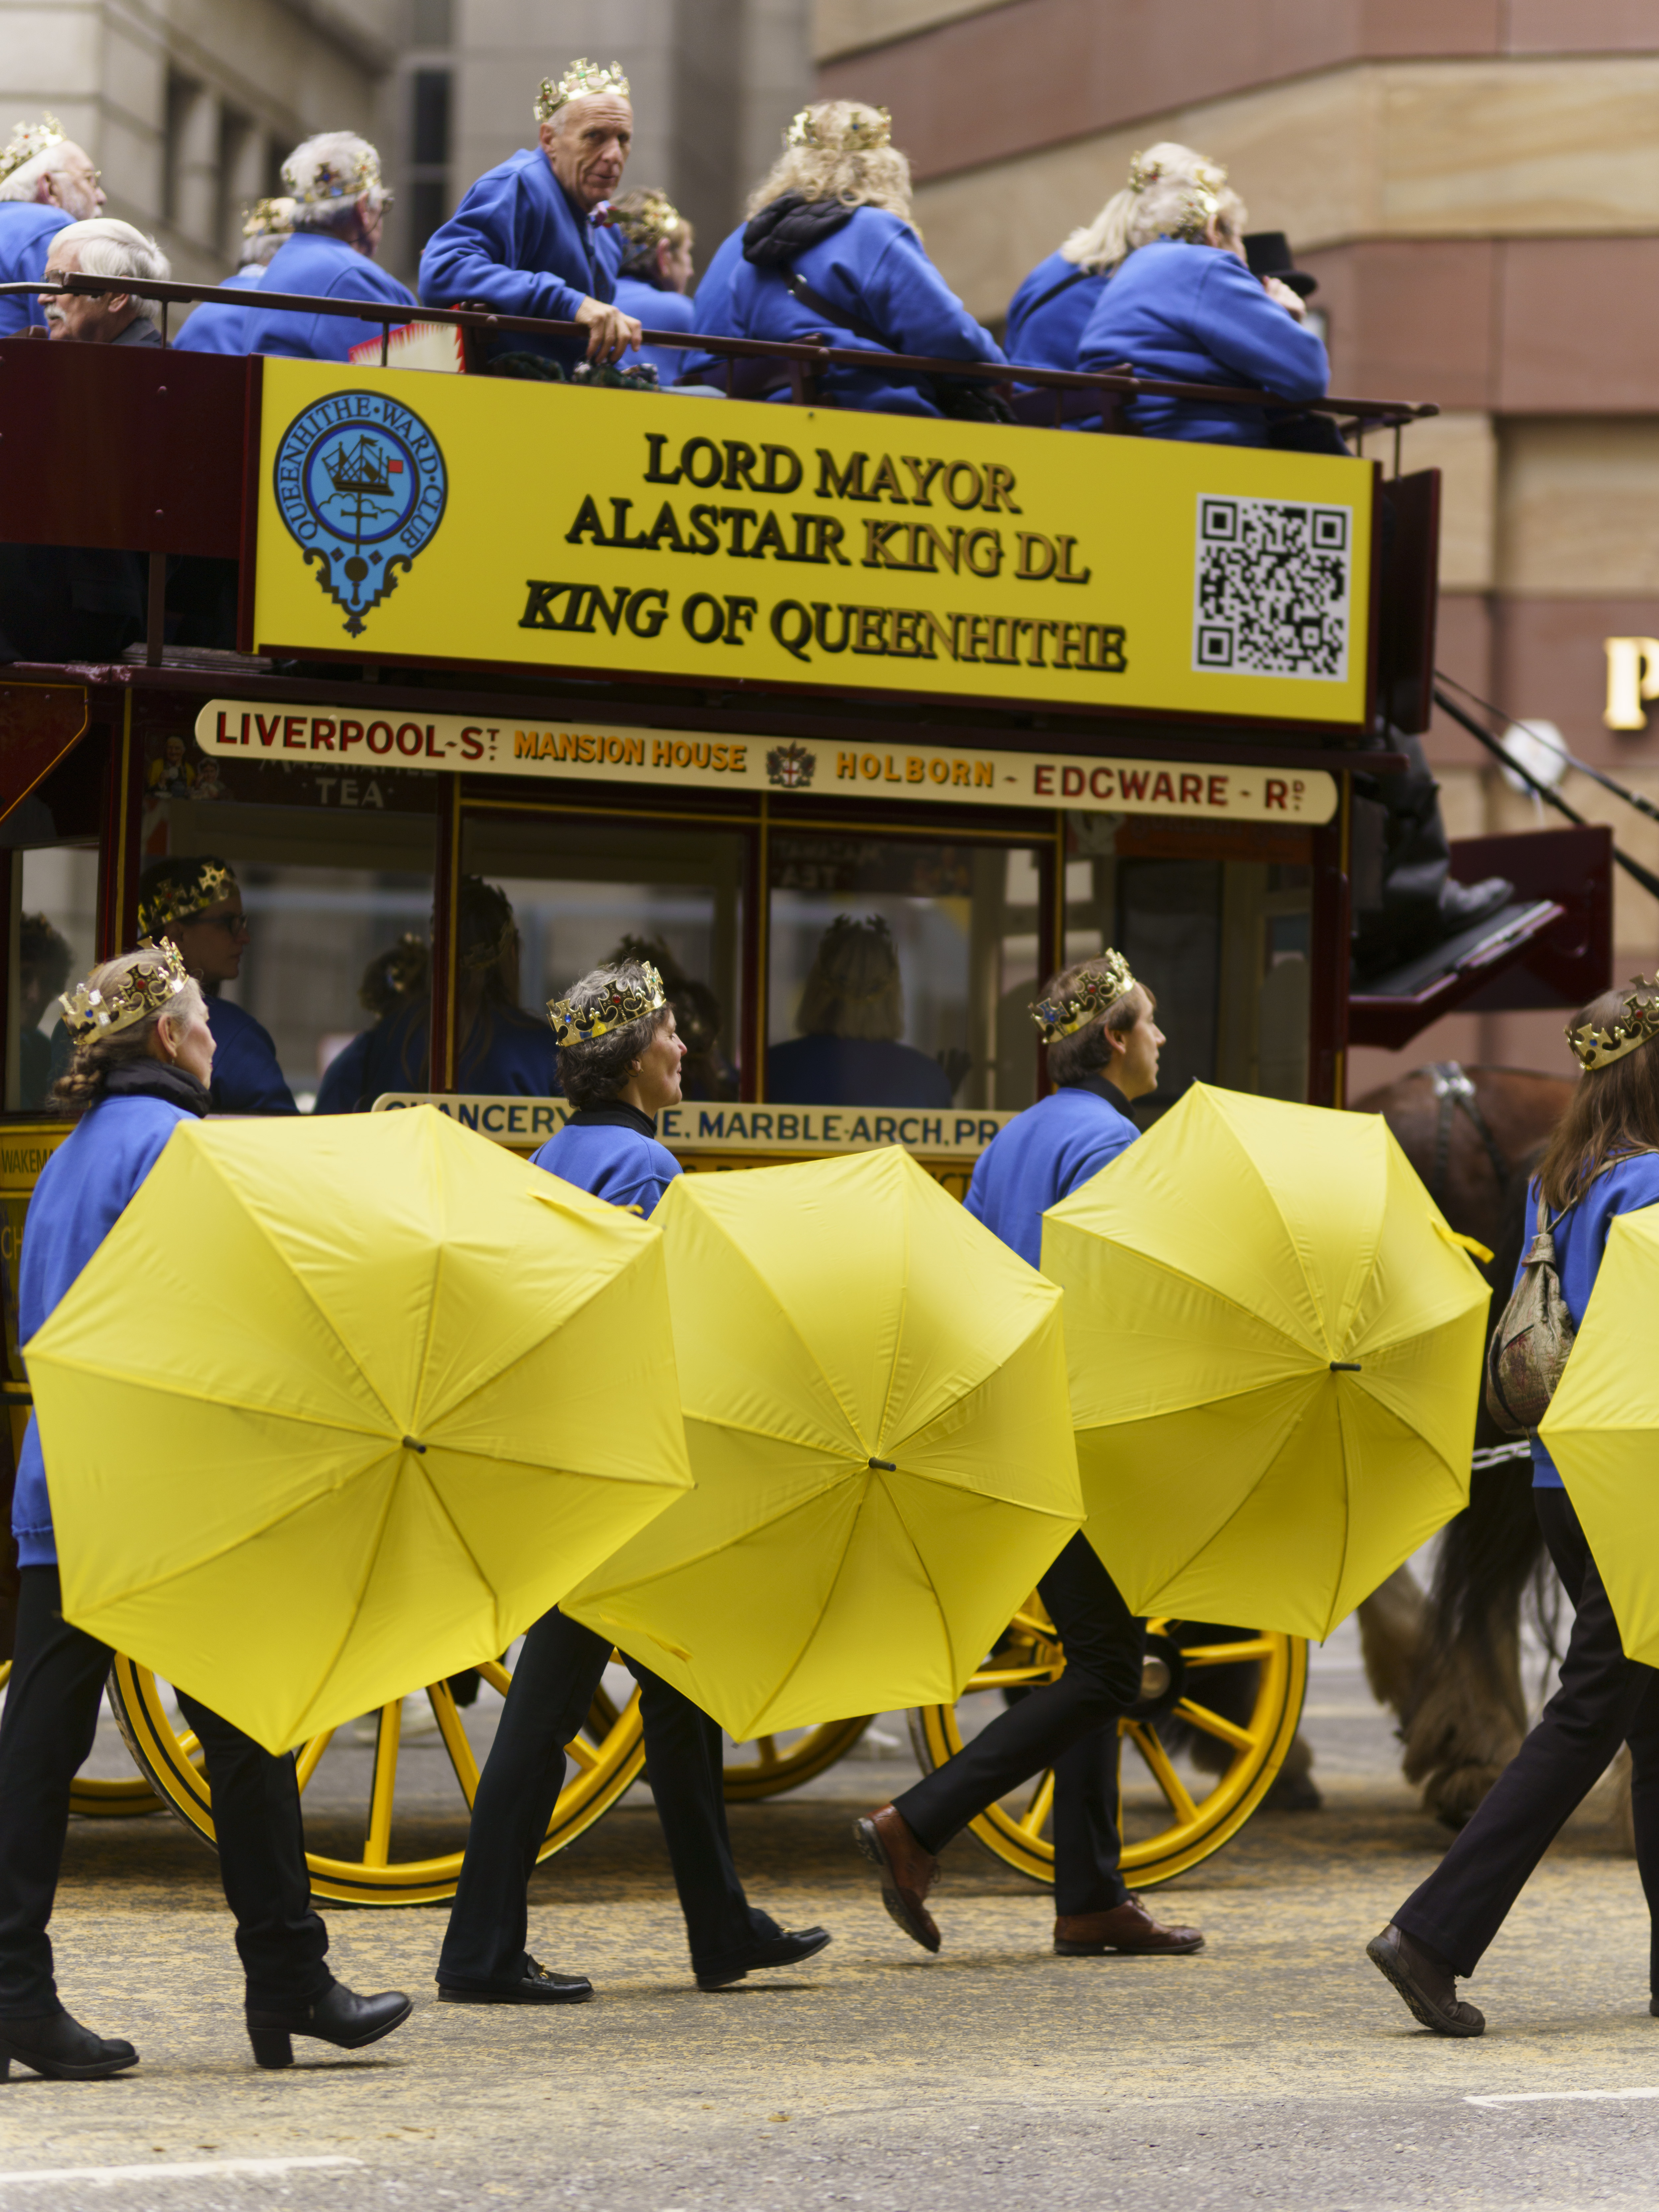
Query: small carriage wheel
point(1201, 1819)
point(609, 1753)
point(785, 1761)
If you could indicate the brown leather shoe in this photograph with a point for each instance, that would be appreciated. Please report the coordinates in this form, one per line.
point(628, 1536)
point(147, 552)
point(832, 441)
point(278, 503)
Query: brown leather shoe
point(1425, 1981)
point(1127, 1928)
point(907, 1872)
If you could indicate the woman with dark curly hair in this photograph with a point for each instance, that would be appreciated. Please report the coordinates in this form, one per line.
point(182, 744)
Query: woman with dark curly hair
point(143, 1060)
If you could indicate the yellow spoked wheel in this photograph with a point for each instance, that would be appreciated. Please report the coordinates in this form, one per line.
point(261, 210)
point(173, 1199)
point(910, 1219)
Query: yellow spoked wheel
point(1218, 1710)
point(772, 1764)
point(101, 1800)
point(609, 1753)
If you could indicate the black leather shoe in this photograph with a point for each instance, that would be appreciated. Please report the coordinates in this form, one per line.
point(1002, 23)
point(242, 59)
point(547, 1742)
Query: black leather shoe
point(55, 2043)
point(339, 2016)
point(537, 1985)
point(788, 1947)
point(1426, 1983)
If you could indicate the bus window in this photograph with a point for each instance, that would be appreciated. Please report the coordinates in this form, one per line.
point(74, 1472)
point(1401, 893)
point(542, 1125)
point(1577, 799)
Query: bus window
point(900, 970)
point(590, 891)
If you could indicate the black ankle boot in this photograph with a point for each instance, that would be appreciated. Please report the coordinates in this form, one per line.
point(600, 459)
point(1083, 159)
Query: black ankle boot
point(339, 2016)
point(55, 2043)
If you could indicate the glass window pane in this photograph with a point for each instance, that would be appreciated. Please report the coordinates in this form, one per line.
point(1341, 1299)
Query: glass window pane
point(900, 971)
point(53, 940)
point(586, 892)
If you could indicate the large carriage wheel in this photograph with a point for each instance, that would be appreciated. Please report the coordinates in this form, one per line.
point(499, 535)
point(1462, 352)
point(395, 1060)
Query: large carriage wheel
point(96, 1800)
point(609, 1753)
point(772, 1764)
point(1267, 1675)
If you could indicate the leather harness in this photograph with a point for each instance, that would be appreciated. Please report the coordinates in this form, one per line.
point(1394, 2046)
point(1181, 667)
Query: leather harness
point(1456, 1094)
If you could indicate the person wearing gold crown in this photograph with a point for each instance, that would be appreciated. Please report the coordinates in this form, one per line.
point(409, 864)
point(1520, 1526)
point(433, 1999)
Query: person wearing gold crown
point(339, 206)
point(530, 237)
point(1102, 1048)
point(217, 326)
point(198, 903)
point(654, 278)
point(143, 1058)
point(830, 249)
point(1602, 1161)
point(45, 182)
point(620, 1054)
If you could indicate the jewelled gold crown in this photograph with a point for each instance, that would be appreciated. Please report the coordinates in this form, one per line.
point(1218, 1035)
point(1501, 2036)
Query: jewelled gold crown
point(619, 1004)
point(1637, 1021)
point(182, 902)
point(855, 136)
point(27, 140)
point(149, 987)
point(652, 216)
point(334, 180)
point(1208, 176)
point(265, 217)
point(1096, 992)
point(579, 81)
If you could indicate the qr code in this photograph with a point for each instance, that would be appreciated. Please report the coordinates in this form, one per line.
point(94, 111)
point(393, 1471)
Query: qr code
point(1272, 590)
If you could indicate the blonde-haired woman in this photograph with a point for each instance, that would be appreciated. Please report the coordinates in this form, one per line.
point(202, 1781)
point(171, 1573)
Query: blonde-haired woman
point(830, 251)
point(143, 1054)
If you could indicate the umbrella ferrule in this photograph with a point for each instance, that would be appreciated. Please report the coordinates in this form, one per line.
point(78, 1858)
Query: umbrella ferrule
point(887, 1466)
point(409, 1444)
point(1345, 1367)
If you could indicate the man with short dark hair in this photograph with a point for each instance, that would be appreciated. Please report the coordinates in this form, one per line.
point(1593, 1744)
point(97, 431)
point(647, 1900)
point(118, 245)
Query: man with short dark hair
point(1104, 1044)
point(530, 237)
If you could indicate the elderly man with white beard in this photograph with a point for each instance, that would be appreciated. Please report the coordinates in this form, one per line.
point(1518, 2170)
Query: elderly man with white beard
point(530, 237)
point(47, 183)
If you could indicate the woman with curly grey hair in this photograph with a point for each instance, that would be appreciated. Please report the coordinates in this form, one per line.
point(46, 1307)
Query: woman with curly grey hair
point(620, 1057)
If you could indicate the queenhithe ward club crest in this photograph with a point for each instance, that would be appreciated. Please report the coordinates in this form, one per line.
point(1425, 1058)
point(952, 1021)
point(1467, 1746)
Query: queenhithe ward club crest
point(362, 485)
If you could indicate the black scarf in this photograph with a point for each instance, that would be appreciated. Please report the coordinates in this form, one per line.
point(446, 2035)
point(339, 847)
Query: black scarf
point(787, 227)
point(615, 1114)
point(1102, 1089)
point(156, 1078)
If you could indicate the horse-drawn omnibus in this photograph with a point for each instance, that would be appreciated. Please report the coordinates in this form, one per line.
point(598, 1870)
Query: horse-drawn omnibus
point(710, 675)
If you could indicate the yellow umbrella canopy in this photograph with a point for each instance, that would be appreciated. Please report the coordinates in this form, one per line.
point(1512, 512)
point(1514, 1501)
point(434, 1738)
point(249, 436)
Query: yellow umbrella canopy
point(1602, 1423)
point(874, 1392)
point(343, 1405)
point(1275, 1346)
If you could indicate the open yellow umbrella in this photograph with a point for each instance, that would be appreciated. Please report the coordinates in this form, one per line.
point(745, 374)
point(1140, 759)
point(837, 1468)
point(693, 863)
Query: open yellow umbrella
point(1602, 1429)
point(343, 1405)
point(874, 1392)
point(1275, 1346)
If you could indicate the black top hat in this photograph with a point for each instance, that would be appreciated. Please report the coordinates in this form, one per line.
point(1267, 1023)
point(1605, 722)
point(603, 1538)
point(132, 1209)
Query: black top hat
point(1269, 254)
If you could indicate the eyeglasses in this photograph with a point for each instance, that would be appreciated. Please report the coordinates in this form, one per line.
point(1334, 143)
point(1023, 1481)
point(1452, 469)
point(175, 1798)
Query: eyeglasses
point(234, 925)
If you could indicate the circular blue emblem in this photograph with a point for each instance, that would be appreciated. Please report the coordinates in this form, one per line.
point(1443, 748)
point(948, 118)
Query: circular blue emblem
point(362, 485)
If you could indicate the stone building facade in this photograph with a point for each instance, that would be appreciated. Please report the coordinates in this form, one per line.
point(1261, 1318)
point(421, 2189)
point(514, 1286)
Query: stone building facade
point(1476, 184)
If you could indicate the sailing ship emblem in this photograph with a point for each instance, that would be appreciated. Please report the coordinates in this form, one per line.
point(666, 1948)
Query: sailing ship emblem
point(362, 485)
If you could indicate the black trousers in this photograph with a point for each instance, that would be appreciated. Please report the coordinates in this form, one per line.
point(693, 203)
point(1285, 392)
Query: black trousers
point(50, 1721)
point(553, 1685)
point(1070, 1725)
point(1605, 1699)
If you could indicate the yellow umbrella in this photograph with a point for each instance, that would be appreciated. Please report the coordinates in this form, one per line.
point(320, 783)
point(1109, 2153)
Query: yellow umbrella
point(343, 1405)
point(1275, 1348)
point(874, 1392)
point(1601, 1425)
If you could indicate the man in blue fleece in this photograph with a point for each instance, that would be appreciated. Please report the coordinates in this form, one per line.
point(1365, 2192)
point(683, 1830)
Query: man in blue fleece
point(530, 237)
point(339, 206)
point(1102, 1051)
point(45, 182)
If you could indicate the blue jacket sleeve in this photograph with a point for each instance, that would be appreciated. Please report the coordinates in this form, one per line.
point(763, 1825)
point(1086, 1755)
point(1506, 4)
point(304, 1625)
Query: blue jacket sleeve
point(642, 1193)
point(1092, 1158)
point(907, 299)
point(1261, 342)
point(974, 1201)
point(477, 255)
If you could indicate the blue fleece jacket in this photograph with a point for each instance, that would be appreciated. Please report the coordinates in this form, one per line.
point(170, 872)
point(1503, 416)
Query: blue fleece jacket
point(507, 1051)
point(520, 244)
point(247, 1079)
point(217, 328)
point(317, 262)
point(712, 305)
point(84, 1189)
point(1040, 1158)
point(836, 1070)
point(1581, 1238)
point(658, 311)
point(1195, 314)
point(27, 229)
point(874, 267)
point(608, 1151)
point(1046, 332)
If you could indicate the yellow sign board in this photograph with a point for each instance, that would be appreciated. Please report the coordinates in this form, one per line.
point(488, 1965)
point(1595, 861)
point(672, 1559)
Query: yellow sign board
point(405, 516)
point(805, 1131)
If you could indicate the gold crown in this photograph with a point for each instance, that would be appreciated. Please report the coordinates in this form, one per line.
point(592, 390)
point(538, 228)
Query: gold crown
point(1637, 1021)
point(579, 81)
point(27, 140)
point(652, 216)
point(267, 218)
point(181, 901)
point(855, 135)
point(149, 987)
point(1096, 992)
point(618, 1004)
point(335, 181)
point(1208, 176)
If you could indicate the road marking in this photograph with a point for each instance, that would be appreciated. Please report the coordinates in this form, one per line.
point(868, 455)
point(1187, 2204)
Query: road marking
point(100, 2176)
point(1560, 2096)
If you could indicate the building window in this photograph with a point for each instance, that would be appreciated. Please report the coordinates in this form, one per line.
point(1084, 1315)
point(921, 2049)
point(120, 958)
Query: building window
point(429, 125)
